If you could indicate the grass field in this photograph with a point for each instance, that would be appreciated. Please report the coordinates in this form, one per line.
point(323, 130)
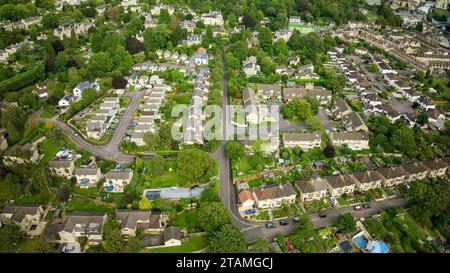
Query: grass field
point(46, 115)
point(193, 244)
point(49, 148)
point(39, 198)
point(187, 219)
point(79, 204)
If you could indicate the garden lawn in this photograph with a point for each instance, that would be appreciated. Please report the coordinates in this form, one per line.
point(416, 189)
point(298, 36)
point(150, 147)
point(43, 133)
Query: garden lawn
point(316, 206)
point(263, 215)
point(46, 115)
point(169, 179)
point(49, 149)
point(187, 219)
point(79, 204)
point(39, 198)
point(91, 192)
point(193, 244)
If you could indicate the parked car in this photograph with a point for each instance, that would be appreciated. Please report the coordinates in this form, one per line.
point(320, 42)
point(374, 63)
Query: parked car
point(290, 245)
point(271, 225)
point(357, 208)
point(322, 215)
point(284, 222)
point(250, 211)
point(334, 202)
point(366, 206)
point(296, 219)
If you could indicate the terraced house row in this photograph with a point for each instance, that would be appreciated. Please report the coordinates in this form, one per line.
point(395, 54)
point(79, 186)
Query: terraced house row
point(316, 188)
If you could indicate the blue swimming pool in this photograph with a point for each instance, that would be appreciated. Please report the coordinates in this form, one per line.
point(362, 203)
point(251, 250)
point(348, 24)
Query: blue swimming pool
point(360, 241)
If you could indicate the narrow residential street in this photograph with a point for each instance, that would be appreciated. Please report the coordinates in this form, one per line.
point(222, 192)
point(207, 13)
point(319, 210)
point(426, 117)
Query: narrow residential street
point(110, 150)
point(254, 229)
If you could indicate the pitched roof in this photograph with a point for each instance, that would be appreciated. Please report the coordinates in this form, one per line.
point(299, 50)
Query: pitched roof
point(367, 176)
point(172, 232)
point(392, 172)
point(132, 218)
point(311, 185)
point(245, 195)
point(19, 212)
point(119, 174)
point(56, 164)
point(86, 171)
point(274, 191)
point(415, 167)
point(90, 223)
point(349, 136)
point(339, 181)
point(435, 164)
point(301, 136)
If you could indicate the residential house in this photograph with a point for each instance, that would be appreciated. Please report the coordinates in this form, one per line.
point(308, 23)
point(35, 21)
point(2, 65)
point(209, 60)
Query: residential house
point(116, 180)
point(28, 217)
point(305, 141)
point(340, 109)
point(250, 66)
point(353, 140)
point(132, 220)
point(367, 180)
point(76, 225)
point(269, 196)
point(437, 167)
point(213, 18)
point(78, 90)
point(87, 177)
point(340, 184)
point(172, 236)
point(294, 92)
point(60, 167)
point(416, 171)
point(137, 138)
point(22, 154)
point(41, 92)
point(246, 200)
point(67, 100)
point(312, 189)
point(393, 176)
point(268, 91)
point(353, 122)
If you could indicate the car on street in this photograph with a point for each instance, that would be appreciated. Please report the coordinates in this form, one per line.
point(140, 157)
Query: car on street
point(322, 215)
point(74, 133)
point(366, 206)
point(271, 225)
point(358, 208)
point(284, 222)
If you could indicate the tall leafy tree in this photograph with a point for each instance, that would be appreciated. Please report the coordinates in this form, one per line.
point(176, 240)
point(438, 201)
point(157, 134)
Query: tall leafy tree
point(227, 240)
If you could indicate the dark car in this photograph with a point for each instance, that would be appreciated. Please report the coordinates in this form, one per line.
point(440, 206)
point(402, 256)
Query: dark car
point(366, 206)
point(271, 225)
point(284, 222)
point(322, 215)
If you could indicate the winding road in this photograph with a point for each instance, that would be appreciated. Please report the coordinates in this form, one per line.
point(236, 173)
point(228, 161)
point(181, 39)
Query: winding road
point(110, 150)
point(254, 229)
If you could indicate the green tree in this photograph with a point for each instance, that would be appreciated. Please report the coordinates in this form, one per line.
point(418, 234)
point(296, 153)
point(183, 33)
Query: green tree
point(13, 120)
point(227, 240)
point(346, 223)
point(298, 109)
point(212, 216)
point(156, 38)
point(209, 195)
point(10, 236)
point(134, 245)
point(112, 236)
point(234, 149)
point(193, 164)
point(403, 140)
